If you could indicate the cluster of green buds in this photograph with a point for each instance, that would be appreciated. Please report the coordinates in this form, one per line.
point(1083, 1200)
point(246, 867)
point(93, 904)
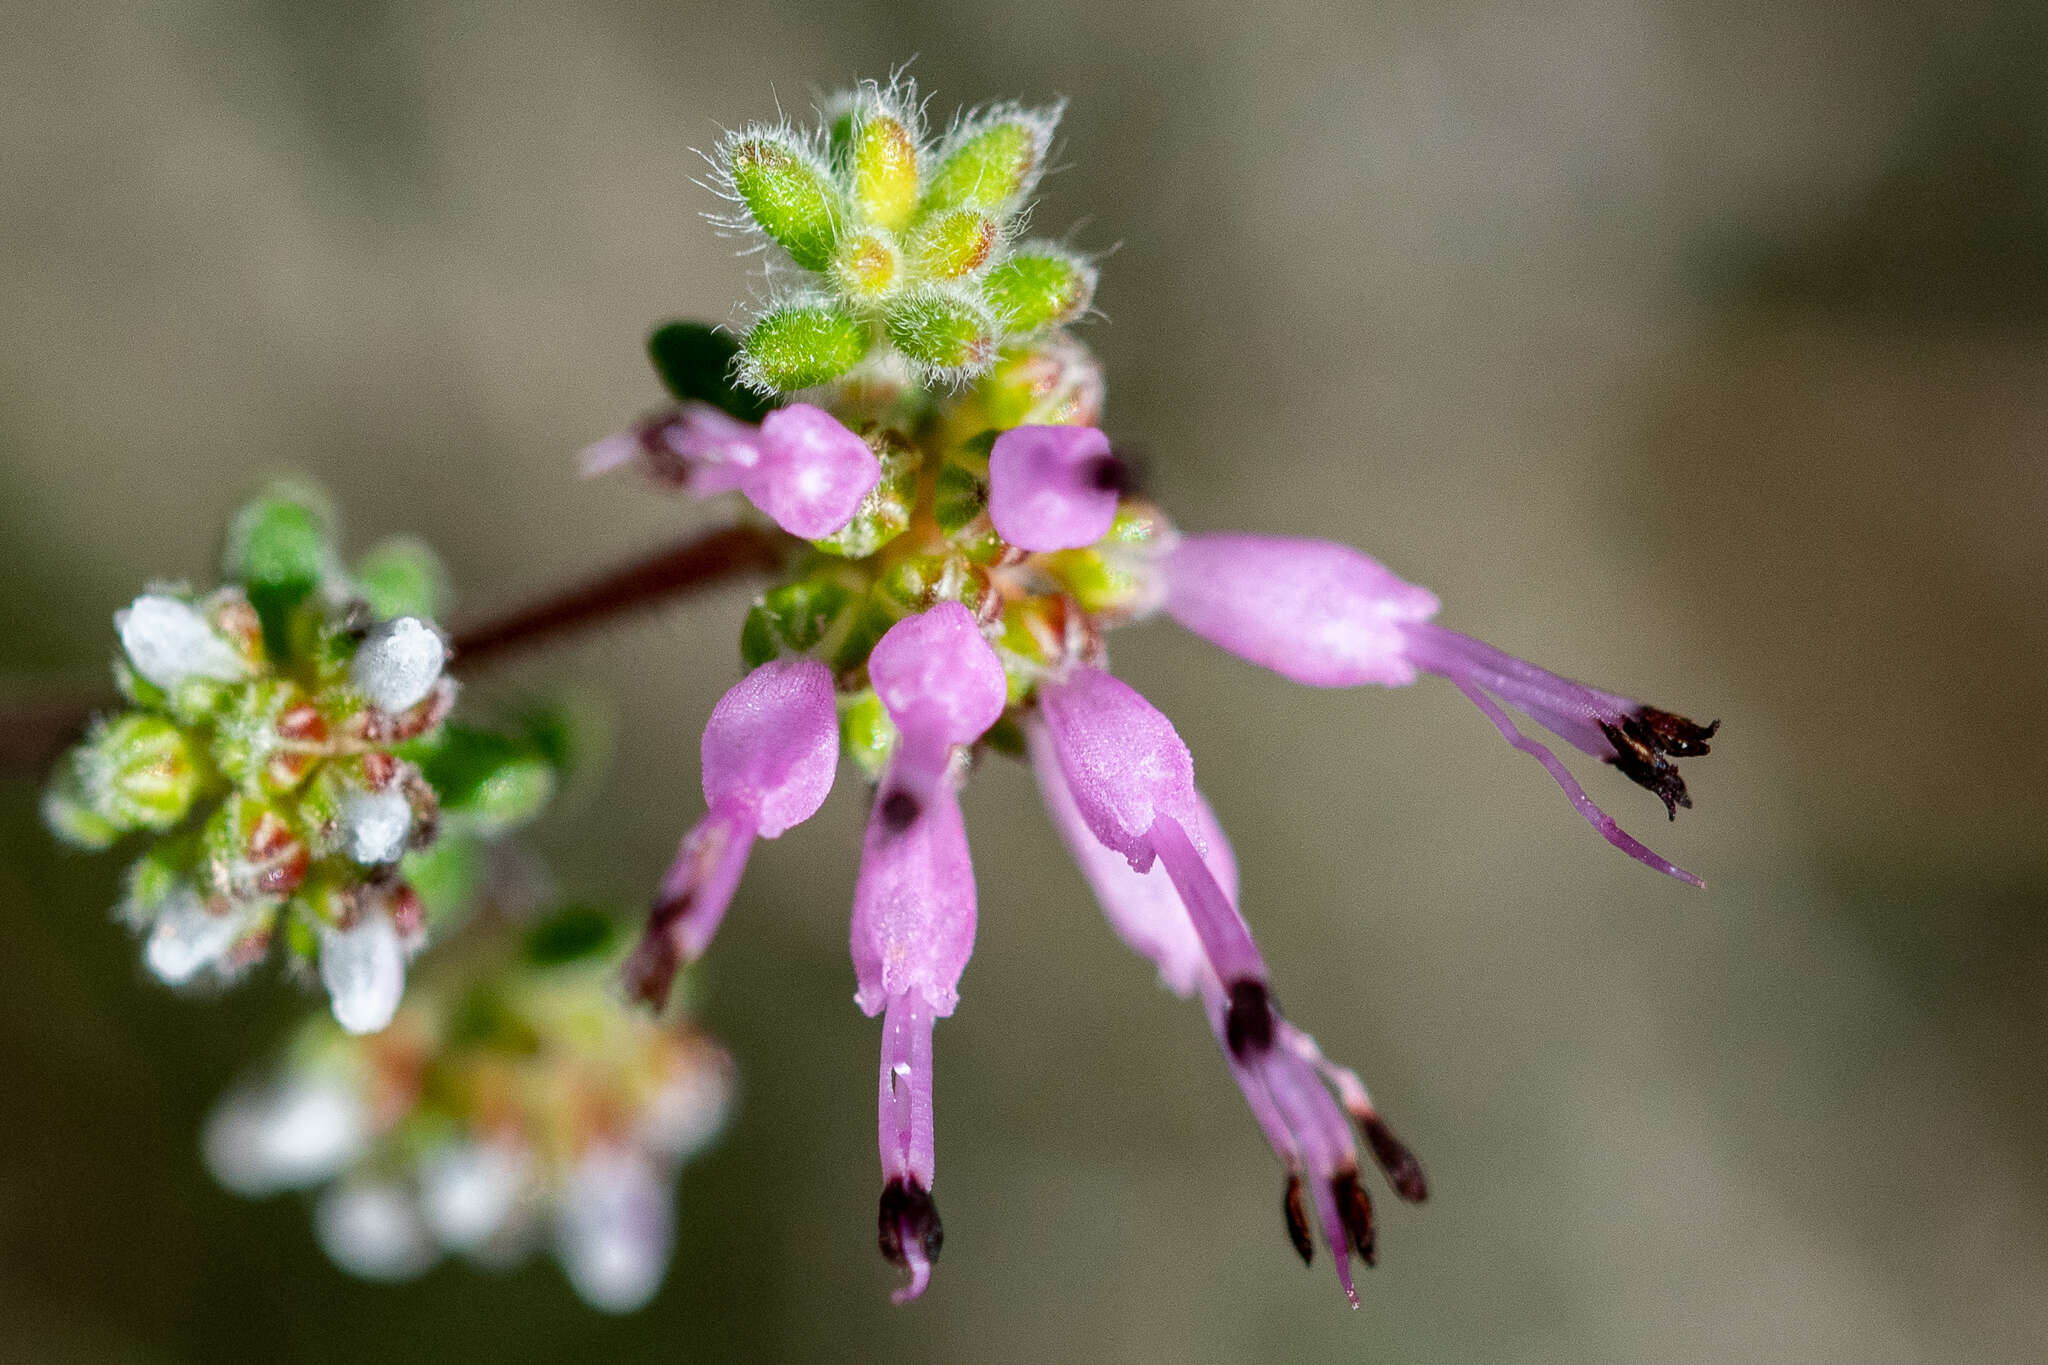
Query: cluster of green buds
point(285, 746)
point(907, 246)
point(514, 1102)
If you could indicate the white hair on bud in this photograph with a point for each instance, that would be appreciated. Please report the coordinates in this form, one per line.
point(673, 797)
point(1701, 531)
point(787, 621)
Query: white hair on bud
point(283, 1137)
point(363, 968)
point(371, 1229)
point(398, 664)
point(169, 641)
point(374, 826)
point(615, 1229)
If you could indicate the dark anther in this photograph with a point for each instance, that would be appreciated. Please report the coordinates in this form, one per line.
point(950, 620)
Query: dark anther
point(1354, 1207)
point(1248, 1020)
point(1297, 1221)
point(899, 810)
point(908, 1211)
point(651, 969)
point(1112, 474)
point(1403, 1171)
point(1647, 768)
point(1668, 733)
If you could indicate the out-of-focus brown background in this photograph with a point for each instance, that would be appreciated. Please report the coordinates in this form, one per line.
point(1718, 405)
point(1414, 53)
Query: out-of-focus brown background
point(1699, 350)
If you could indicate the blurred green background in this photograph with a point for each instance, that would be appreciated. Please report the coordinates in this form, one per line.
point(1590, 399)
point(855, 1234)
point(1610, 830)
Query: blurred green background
point(1699, 350)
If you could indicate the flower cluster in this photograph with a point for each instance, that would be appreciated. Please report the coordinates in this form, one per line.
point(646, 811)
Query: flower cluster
point(510, 1105)
point(963, 537)
point(906, 246)
point(286, 744)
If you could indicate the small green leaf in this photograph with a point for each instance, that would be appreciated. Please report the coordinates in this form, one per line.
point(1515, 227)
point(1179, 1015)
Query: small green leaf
point(488, 781)
point(797, 346)
point(574, 933)
point(279, 548)
point(696, 361)
point(403, 576)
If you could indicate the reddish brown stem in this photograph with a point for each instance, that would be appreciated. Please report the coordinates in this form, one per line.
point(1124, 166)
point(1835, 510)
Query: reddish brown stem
point(672, 572)
point(33, 733)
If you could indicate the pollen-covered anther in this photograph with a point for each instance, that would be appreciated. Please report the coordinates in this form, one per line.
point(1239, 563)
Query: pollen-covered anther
point(1296, 1213)
point(1354, 1207)
point(1248, 1020)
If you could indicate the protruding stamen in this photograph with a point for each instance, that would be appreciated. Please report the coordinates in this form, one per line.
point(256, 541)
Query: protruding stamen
point(909, 1233)
point(1248, 1020)
point(1648, 769)
point(1669, 733)
point(1297, 1220)
point(1402, 1170)
point(1599, 819)
point(1354, 1206)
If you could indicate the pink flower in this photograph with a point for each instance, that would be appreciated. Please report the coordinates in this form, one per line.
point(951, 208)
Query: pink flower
point(913, 909)
point(1118, 781)
point(800, 466)
point(1053, 488)
point(769, 755)
point(1329, 616)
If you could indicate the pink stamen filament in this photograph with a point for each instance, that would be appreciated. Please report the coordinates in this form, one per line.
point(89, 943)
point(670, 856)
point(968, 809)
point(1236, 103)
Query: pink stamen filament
point(1552, 764)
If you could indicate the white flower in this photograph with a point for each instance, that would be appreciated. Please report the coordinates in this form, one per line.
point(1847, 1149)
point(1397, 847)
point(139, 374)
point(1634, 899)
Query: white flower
point(169, 641)
point(615, 1229)
point(363, 968)
point(286, 1137)
point(371, 1229)
point(398, 664)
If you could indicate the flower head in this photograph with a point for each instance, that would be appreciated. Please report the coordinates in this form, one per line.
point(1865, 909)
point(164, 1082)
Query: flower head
point(508, 1106)
point(963, 608)
point(286, 746)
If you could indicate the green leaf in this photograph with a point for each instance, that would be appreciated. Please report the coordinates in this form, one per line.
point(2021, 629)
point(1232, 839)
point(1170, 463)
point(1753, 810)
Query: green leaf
point(403, 576)
point(280, 549)
point(574, 933)
point(696, 361)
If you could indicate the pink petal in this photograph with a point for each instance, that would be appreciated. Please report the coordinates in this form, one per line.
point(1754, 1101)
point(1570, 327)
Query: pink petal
point(1317, 612)
point(772, 744)
point(937, 676)
point(812, 472)
point(1052, 488)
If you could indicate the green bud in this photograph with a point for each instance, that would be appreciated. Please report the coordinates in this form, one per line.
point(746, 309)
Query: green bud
point(798, 345)
point(991, 162)
point(884, 513)
point(947, 335)
point(403, 577)
point(884, 159)
point(148, 769)
point(250, 742)
point(1039, 287)
point(953, 244)
point(1057, 382)
point(866, 266)
point(866, 733)
point(787, 194)
point(70, 815)
point(697, 362)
